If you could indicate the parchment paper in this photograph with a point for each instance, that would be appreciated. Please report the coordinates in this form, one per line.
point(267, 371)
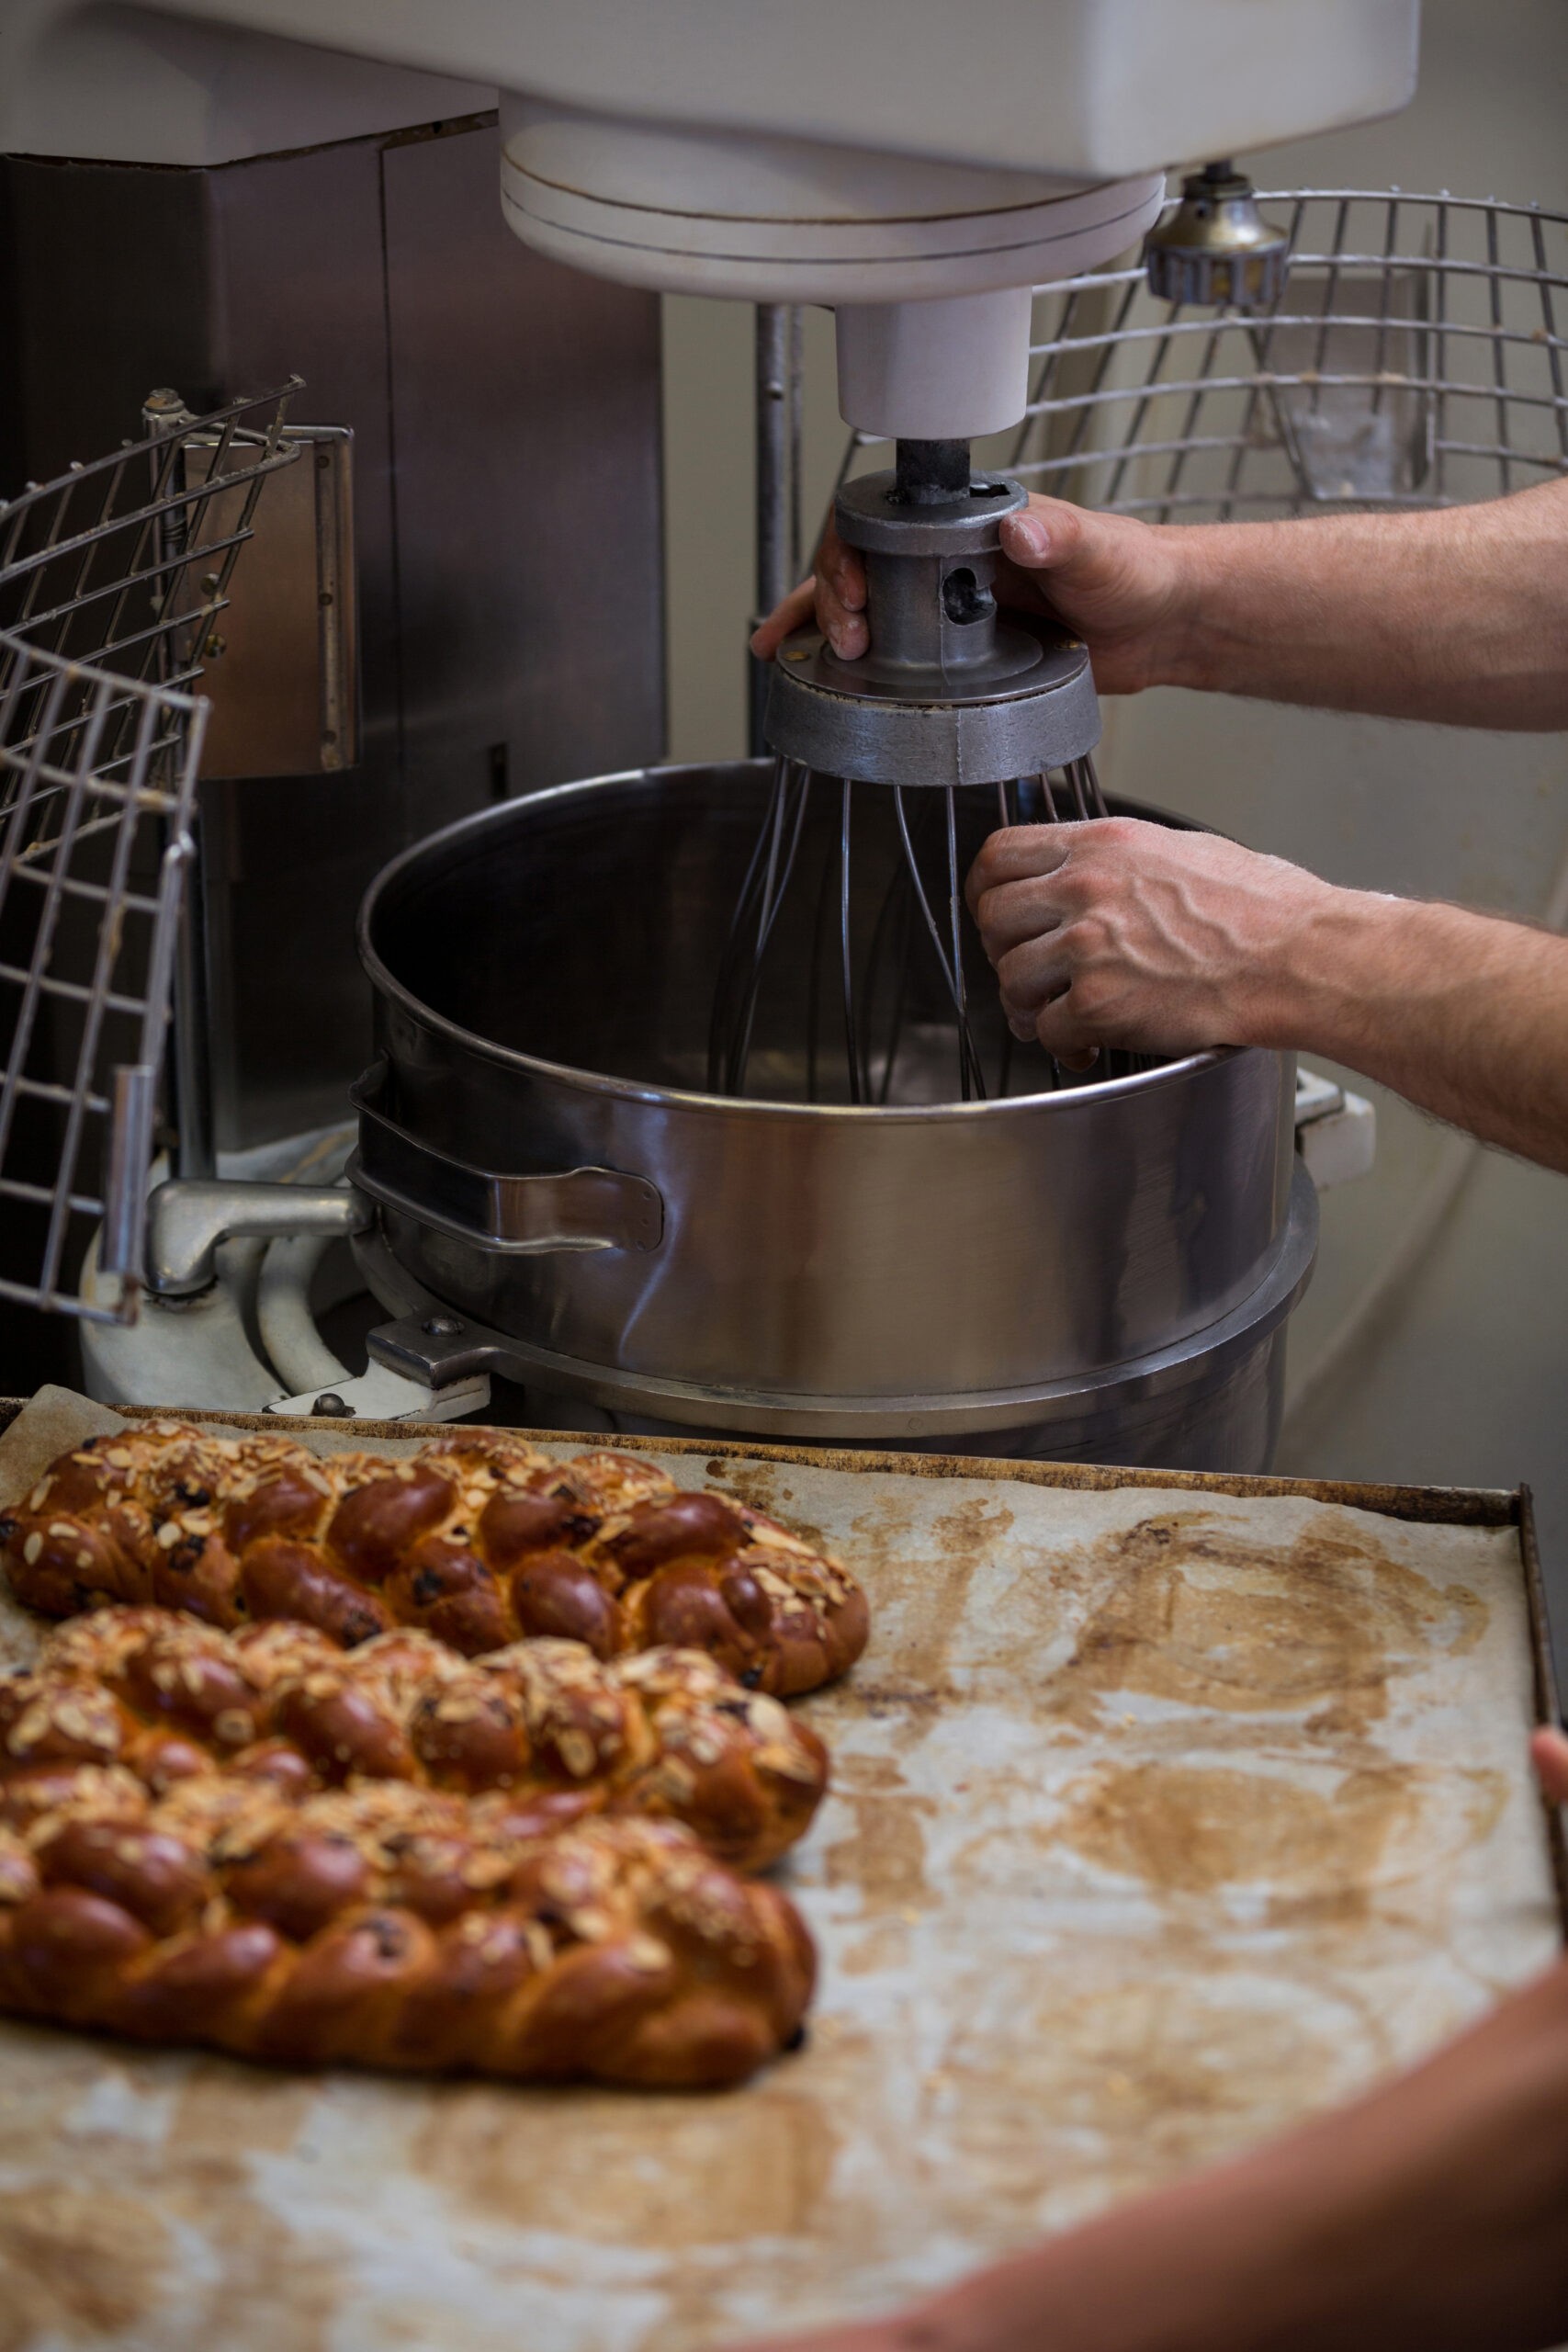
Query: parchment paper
point(1160, 1818)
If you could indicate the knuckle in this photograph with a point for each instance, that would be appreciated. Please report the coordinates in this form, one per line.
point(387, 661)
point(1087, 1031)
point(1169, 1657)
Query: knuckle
point(1117, 833)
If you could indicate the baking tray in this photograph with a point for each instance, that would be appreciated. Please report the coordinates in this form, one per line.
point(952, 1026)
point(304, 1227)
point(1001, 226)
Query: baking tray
point(1166, 1809)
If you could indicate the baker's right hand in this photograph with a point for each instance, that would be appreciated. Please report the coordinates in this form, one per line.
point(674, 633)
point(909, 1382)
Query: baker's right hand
point(1549, 1753)
point(1120, 584)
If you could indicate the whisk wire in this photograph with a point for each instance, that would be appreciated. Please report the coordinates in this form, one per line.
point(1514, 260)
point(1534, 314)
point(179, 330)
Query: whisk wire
point(851, 1051)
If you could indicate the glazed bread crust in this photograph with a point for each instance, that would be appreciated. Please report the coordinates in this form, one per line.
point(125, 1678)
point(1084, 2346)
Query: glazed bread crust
point(480, 1540)
point(661, 1734)
point(394, 1926)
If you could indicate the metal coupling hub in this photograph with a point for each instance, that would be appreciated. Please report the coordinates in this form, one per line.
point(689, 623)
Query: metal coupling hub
point(949, 691)
point(1216, 247)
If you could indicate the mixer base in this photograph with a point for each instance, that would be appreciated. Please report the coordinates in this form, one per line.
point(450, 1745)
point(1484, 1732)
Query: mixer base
point(1211, 1401)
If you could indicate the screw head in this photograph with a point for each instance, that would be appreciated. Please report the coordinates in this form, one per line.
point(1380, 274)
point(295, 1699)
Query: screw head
point(329, 1407)
point(441, 1327)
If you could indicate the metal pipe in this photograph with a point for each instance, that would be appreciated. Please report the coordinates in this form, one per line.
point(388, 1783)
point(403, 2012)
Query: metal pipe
point(773, 455)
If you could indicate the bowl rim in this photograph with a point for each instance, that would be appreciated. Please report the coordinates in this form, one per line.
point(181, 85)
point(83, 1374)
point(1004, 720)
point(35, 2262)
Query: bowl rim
point(386, 985)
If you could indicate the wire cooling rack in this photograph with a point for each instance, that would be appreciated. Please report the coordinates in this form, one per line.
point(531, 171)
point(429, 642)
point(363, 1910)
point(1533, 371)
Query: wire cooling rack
point(1414, 359)
point(1417, 357)
point(111, 578)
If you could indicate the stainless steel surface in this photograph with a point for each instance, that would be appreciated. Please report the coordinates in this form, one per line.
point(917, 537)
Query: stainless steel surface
point(507, 511)
point(188, 1222)
point(884, 858)
point(815, 720)
point(1211, 1401)
point(284, 671)
point(906, 1262)
point(113, 581)
point(1216, 246)
point(581, 1208)
point(780, 409)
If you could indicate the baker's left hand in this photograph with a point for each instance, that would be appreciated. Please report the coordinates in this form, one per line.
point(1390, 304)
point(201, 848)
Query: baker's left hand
point(1121, 933)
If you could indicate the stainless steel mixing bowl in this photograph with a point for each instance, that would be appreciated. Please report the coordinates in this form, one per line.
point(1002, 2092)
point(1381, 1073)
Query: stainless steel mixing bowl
point(1098, 1273)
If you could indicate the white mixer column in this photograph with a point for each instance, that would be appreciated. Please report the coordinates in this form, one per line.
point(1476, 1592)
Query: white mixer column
point(928, 265)
point(946, 371)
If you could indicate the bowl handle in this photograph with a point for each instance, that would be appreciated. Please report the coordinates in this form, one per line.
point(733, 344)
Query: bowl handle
point(572, 1208)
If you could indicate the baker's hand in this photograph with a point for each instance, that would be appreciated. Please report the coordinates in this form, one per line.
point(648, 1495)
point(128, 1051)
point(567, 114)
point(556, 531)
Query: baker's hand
point(1122, 585)
point(908, 2333)
point(1549, 1754)
point(1119, 933)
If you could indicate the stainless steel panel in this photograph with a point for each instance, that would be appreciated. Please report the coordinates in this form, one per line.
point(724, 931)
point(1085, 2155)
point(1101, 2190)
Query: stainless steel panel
point(283, 670)
point(527, 491)
point(505, 416)
point(467, 370)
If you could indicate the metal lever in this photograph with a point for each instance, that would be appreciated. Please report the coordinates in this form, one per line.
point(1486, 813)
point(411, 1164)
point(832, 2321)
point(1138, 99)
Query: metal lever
point(185, 1222)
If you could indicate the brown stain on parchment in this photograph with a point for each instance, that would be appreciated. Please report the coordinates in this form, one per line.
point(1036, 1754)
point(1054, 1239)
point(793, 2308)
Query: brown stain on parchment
point(84, 2264)
point(92, 2250)
point(883, 1854)
point(1213, 1619)
point(1110, 2087)
point(765, 1486)
point(1190, 1829)
point(920, 1585)
point(664, 2174)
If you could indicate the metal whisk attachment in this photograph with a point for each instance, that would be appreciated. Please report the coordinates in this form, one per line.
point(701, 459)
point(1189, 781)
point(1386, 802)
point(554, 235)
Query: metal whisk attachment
point(867, 884)
point(954, 719)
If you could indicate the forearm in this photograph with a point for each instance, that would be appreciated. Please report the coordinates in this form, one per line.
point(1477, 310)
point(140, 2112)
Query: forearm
point(1464, 1015)
point(1431, 2217)
point(1460, 616)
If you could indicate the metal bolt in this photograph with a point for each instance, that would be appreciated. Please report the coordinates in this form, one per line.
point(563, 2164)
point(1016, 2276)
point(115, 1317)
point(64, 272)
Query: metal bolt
point(441, 1327)
point(329, 1407)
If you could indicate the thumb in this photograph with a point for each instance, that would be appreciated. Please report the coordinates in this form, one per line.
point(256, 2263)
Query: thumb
point(1045, 534)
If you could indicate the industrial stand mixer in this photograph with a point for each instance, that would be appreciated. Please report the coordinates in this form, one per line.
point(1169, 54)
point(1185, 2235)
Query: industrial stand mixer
point(614, 1157)
point(1415, 358)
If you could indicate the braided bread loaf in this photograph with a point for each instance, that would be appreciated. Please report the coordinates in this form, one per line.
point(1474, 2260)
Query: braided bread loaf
point(480, 1539)
point(665, 1733)
point(394, 1926)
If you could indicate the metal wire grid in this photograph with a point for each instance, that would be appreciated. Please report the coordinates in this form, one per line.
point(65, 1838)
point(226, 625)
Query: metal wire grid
point(1415, 358)
point(110, 580)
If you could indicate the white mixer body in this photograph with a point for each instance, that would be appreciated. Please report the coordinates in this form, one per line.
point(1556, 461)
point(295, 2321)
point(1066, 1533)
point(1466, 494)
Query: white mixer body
point(865, 153)
point(1088, 90)
point(928, 265)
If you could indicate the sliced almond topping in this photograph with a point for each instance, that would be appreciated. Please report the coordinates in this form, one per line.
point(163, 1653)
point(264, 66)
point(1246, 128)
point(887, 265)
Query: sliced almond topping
point(646, 1954)
point(577, 1752)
